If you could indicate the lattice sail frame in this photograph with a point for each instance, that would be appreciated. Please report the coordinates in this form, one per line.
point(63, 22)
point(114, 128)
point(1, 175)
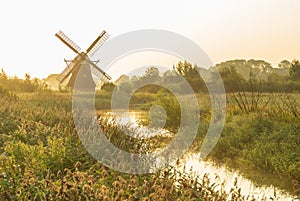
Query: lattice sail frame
point(97, 43)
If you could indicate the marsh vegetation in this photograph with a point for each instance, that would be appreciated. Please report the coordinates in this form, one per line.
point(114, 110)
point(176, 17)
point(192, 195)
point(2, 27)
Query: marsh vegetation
point(42, 157)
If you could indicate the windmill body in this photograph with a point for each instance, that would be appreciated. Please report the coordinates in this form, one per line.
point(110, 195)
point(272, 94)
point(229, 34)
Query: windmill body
point(81, 68)
point(81, 73)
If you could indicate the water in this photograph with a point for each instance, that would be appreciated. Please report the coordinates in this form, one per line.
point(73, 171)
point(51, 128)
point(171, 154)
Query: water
point(217, 174)
point(131, 120)
point(220, 174)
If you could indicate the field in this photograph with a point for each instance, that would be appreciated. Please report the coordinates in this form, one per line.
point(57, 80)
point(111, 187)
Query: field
point(260, 138)
point(43, 158)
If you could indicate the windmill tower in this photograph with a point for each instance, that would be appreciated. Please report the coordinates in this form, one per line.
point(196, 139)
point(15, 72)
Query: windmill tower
point(81, 68)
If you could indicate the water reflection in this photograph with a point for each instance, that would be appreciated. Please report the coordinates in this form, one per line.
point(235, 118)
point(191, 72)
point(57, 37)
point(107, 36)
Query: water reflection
point(222, 176)
point(132, 121)
point(217, 174)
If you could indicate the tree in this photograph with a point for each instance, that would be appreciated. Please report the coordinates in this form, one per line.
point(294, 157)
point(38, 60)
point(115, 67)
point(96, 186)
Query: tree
point(152, 72)
point(262, 65)
point(284, 64)
point(191, 74)
point(242, 66)
point(151, 76)
point(122, 78)
point(108, 87)
point(184, 68)
point(231, 78)
point(126, 87)
point(295, 70)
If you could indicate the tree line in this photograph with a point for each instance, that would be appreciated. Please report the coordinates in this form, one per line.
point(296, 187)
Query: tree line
point(16, 84)
point(237, 75)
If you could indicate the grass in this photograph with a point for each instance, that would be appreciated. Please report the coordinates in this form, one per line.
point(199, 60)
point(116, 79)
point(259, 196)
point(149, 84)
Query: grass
point(260, 136)
point(42, 158)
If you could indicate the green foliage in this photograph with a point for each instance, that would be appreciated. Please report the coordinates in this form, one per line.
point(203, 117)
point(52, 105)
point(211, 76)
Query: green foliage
point(42, 158)
point(285, 64)
point(232, 80)
point(108, 87)
point(237, 75)
point(244, 67)
point(192, 75)
point(295, 70)
point(261, 134)
point(5, 93)
point(19, 85)
point(270, 144)
point(172, 108)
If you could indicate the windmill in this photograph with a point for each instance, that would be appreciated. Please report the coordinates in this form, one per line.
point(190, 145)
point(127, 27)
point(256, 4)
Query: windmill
point(81, 68)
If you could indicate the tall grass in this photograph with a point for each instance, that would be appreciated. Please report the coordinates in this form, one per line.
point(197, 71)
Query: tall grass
point(42, 158)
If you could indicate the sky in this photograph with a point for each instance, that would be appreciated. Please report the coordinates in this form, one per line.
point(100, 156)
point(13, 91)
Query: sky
point(231, 29)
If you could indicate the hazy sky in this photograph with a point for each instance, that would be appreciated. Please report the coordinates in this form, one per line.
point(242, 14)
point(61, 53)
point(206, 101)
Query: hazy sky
point(224, 29)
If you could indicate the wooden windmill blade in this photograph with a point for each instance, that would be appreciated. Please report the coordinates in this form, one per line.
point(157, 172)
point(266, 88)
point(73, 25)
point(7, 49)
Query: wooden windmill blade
point(76, 62)
point(68, 42)
point(66, 72)
point(70, 68)
point(97, 43)
point(98, 72)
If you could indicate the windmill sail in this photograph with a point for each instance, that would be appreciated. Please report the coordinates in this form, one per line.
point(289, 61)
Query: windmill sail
point(67, 41)
point(97, 43)
point(98, 71)
point(68, 70)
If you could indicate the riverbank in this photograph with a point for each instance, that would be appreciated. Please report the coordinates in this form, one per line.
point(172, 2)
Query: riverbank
point(41, 151)
point(42, 158)
point(226, 176)
point(260, 139)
